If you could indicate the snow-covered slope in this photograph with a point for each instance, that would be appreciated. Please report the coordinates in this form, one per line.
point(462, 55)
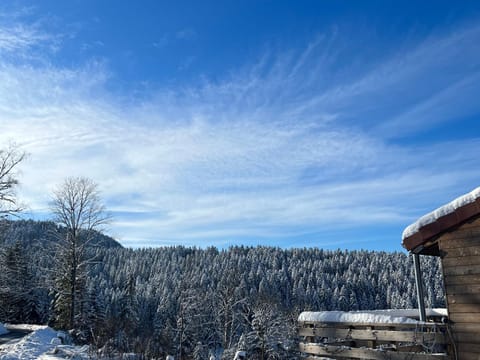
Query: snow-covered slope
point(44, 344)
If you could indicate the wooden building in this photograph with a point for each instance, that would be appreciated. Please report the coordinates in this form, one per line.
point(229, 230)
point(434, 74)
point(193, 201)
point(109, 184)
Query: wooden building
point(452, 232)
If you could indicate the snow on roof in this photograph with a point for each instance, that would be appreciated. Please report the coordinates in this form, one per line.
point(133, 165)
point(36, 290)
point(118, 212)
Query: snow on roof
point(440, 212)
point(368, 317)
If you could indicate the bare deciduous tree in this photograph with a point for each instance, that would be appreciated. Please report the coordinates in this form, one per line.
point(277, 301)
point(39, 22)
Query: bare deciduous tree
point(79, 211)
point(9, 161)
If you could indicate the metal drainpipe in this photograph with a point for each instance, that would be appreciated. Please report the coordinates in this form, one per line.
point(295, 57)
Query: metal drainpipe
point(419, 286)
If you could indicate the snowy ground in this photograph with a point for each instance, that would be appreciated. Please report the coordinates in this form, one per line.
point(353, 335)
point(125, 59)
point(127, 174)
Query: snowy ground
point(43, 343)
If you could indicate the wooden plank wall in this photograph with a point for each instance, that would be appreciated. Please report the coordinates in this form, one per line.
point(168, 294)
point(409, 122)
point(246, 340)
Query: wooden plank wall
point(460, 250)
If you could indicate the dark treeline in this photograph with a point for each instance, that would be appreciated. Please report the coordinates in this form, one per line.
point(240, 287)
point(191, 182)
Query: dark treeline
point(197, 303)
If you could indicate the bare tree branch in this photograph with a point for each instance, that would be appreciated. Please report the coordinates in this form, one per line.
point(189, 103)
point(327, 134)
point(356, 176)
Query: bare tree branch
point(9, 161)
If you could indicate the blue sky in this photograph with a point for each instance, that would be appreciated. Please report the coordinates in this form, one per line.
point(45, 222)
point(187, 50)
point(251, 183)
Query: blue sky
point(332, 124)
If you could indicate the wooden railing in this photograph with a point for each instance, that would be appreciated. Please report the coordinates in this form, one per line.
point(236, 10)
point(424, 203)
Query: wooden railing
point(377, 341)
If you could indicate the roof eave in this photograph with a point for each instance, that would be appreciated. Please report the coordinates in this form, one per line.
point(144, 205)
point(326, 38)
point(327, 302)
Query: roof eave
point(429, 232)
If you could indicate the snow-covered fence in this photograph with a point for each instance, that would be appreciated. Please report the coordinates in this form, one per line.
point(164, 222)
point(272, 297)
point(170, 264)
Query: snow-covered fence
point(370, 335)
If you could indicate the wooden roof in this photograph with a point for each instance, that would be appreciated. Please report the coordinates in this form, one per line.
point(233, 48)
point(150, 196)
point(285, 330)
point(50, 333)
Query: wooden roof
point(424, 238)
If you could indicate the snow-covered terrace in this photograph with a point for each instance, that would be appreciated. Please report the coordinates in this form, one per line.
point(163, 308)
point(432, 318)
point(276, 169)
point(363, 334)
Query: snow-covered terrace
point(378, 334)
point(406, 334)
point(452, 232)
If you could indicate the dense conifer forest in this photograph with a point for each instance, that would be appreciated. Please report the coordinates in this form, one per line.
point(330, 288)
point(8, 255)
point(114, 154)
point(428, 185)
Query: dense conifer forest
point(197, 303)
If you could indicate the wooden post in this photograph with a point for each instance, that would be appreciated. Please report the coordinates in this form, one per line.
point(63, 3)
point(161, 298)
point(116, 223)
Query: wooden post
point(371, 343)
point(310, 339)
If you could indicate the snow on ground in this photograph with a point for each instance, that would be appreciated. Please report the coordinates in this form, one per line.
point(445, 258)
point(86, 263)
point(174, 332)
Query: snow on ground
point(373, 316)
point(43, 344)
point(25, 327)
point(442, 211)
point(3, 330)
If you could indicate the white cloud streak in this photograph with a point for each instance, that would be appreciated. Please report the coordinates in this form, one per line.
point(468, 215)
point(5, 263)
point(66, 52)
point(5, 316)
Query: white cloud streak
point(272, 151)
point(20, 40)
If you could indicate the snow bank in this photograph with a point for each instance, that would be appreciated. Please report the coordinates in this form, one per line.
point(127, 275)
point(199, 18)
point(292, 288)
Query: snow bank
point(41, 344)
point(31, 346)
point(25, 327)
point(368, 317)
point(3, 330)
point(442, 211)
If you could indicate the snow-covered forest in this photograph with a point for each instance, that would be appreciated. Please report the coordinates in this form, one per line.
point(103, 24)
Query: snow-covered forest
point(195, 303)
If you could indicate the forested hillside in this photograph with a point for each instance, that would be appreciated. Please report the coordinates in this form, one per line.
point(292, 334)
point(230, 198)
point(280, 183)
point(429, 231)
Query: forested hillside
point(42, 234)
point(197, 302)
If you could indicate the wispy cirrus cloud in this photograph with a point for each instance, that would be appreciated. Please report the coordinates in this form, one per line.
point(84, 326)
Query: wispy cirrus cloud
point(288, 145)
point(20, 39)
